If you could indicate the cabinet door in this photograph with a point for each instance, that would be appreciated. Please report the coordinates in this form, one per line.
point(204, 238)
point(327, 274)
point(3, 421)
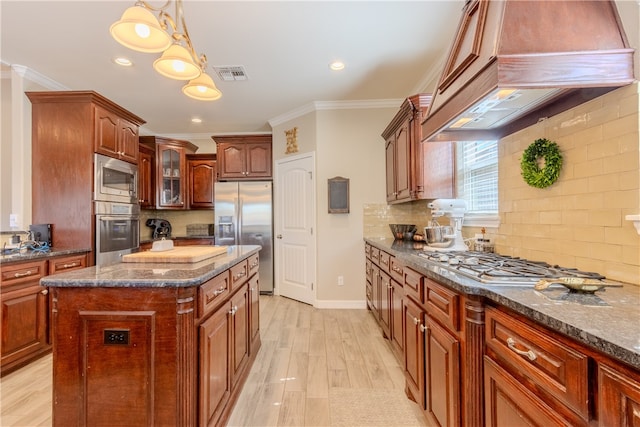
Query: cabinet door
point(170, 176)
point(239, 333)
point(106, 132)
point(215, 382)
point(258, 161)
point(414, 361)
point(385, 303)
point(25, 323)
point(127, 141)
point(508, 403)
point(202, 176)
point(618, 398)
point(146, 181)
point(390, 156)
point(442, 373)
point(402, 165)
point(254, 311)
point(231, 161)
point(397, 331)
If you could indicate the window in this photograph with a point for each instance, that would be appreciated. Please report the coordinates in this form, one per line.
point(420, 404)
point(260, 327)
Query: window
point(477, 181)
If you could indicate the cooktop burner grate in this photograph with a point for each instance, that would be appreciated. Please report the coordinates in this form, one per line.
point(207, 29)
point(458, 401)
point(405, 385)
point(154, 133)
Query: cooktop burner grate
point(492, 268)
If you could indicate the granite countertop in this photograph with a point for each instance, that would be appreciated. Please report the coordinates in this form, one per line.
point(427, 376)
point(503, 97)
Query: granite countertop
point(607, 320)
point(31, 255)
point(152, 275)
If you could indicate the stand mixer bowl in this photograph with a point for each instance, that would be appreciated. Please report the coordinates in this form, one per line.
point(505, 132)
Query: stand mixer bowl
point(438, 234)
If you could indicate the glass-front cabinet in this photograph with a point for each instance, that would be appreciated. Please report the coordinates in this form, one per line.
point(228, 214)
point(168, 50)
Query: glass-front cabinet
point(171, 174)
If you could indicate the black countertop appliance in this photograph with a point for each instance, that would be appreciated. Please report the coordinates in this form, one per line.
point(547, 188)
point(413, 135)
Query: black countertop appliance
point(160, 228)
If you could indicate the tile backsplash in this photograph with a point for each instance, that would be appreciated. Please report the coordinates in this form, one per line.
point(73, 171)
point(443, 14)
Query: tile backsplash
point(178, 219)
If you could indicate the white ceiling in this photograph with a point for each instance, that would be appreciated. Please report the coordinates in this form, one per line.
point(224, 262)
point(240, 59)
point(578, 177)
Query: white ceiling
point(390, 48)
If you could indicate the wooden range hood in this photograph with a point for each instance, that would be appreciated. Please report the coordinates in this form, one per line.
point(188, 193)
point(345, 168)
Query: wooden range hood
point(515, 62)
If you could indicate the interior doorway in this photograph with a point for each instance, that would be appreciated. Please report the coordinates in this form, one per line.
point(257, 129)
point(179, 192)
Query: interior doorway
point(294, 220)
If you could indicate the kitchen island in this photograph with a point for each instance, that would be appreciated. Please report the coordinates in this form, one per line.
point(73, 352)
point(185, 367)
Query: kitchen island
point(150, 344)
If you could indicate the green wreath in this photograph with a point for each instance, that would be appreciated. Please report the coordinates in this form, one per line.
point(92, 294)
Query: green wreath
point(532, 173)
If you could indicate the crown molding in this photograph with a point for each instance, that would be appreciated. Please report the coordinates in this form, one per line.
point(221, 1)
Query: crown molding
point(33, 76)
point(334, 105)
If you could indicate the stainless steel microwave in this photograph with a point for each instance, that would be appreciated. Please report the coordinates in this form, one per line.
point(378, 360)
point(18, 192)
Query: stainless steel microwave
point(115, 180)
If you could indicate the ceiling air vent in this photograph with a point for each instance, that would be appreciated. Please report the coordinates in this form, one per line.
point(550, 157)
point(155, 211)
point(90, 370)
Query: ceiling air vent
point(230, 73)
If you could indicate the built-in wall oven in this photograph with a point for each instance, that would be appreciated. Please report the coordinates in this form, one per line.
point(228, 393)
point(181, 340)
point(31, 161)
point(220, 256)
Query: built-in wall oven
point(117, 209)
point(117, 231)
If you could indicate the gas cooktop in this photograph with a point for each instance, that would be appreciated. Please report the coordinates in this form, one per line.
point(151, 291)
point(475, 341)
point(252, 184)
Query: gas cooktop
point(494, 269)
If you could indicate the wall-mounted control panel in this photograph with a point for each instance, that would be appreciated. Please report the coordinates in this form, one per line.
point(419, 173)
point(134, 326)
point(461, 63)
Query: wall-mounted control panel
point(116, 337)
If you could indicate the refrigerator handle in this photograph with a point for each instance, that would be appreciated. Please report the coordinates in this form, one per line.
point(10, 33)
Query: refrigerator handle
point(240, 222)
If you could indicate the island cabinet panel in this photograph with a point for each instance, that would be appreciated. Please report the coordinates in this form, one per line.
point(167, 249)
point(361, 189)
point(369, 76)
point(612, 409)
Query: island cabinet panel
point(215, 382)
point(254, 314)
point(239, 333)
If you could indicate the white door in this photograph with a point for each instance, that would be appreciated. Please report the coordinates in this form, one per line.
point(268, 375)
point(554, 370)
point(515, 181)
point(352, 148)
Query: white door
point(294, 218)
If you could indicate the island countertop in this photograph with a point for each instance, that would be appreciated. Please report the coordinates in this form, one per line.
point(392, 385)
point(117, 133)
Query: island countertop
point(607, 320)
point(152, 275)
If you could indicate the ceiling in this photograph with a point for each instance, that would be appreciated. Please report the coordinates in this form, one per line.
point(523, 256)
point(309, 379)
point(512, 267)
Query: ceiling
point(391, 50)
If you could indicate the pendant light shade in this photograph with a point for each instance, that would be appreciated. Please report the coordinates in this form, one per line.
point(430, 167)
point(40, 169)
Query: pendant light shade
point(138, 29)
point(202, 89)
point(177, 63)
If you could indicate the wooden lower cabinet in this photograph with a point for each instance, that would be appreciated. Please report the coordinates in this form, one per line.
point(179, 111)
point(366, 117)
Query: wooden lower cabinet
point(239, 326)
point(413, 318)
point(26, 309)
point(618, 397)
point(442, 375)
point(508, 403)
point(396, 297)
point(254, 314)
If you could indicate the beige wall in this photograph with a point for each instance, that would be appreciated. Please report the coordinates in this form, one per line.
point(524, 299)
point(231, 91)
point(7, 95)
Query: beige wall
point(580, 220)
point(347, 143)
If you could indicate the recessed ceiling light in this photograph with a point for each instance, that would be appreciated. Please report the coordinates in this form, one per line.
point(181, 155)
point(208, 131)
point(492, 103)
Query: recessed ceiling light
point(337, 65)
point(123, 61)
point(196, 120)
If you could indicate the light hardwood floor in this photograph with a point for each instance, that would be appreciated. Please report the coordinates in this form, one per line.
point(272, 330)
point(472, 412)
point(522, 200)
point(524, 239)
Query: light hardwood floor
point(315, 368)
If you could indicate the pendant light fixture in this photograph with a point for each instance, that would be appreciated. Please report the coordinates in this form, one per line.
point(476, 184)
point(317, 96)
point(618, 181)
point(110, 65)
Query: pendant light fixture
point(140, 30)
point(202, 88)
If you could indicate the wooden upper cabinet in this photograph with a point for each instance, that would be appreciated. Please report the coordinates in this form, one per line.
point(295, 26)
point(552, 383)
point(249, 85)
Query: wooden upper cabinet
point(170, 170)
point(201, 173)
point(147, 177)
point(115, 136)
point(416, 170)
point(244, 157)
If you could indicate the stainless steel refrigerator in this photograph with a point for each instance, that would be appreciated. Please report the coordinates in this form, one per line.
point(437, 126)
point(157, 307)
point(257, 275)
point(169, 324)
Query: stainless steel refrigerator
point(244, 216)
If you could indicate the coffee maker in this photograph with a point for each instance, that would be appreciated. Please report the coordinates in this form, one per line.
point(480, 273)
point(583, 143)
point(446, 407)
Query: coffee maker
point(161, 228)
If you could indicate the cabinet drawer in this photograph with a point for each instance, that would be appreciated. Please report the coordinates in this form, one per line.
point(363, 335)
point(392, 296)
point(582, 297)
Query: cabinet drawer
point(396, 270)
point(239, 274)
point(15, 274)
point(254, 263)
point(67, 263)
point(385, 260)
point(413, 285)
point(213, 292)
point(544, 363)
point(443, 304)
point(375, 255)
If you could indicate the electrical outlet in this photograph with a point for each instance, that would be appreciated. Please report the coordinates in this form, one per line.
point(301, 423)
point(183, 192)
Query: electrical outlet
point(13, 220)
point(340, 280)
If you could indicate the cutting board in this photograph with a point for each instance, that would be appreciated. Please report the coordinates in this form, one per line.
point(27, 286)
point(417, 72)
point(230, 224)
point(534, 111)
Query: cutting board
point(179, 254)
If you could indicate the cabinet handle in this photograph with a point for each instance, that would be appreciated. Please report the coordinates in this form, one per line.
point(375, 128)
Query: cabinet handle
point(44, 292)
point(73, 264)
point(239, 275)
point(529, 353)
point(396, 269)
point(423, 328)
point(416, 320)
point(254, 265)
point(27, 273)
point(389, 286)
point(218, 291)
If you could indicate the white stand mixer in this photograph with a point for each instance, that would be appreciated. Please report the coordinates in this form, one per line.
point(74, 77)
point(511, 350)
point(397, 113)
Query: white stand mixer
point(454, 209)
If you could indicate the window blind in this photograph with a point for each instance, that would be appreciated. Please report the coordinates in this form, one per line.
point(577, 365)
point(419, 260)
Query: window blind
point(477, 175)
